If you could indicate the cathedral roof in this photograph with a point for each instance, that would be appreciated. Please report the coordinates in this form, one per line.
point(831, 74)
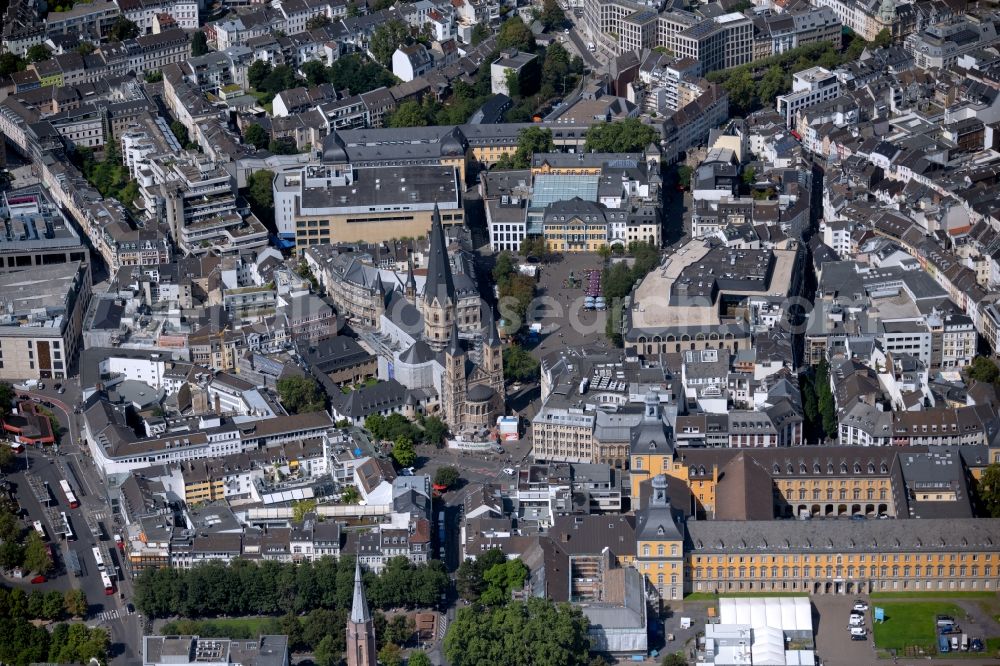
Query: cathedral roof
point(419, 352)
point(480, 393)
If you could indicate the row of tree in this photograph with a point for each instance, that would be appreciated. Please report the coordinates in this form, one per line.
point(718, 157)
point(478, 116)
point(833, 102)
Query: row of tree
point(300, 394)
point(52, 605)
point(24, 643)
point(352, 72)
point(519, 365)
point(757, 84)
point(396, 427)
point(21, 547)
point(618, 279)
point(818, 406)
point(515, 291)
point(275, 588)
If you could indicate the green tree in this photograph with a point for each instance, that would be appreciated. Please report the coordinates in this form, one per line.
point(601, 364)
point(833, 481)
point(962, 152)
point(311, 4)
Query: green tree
point(626, 136)
point(557, 67)
point(350, 495)
point(771, 85)
point(302, 508)
point(519, 365)
point(75, 602)
point(552, 15)
point(260, 188)
point(38, 53)
point(435, 431)
point(418, 658)
point(123, 29)
point(673, 659)
point(326, 653)
point(988, 491)
point(547, 634)
point(352, 9)
point(358, 75)
point(199, 44)
point(53, 605)
point(390, 655)
point(515, 34)
point(317, 22)
point(10, 63)
point(983, 369)
point(825, 402)
point(403, 452)
point(10, 526)
point(376, 425)
point(36, 556)
point(749, 176)
point(257, 136)
point(180, 132)
point(882, 39)
point(408, 114)
point(257, 72)
point(300, 395)
point(501, 580)
point(742, 91)
point(285, 146)
point(446, 476)
point(532, 140)
point(315, 72)
point(11, 554)
point(85, 48)
point(387, 38)
point(399, 629)
point(810, 406)
point(684, 173)
point(480, 32)
point(153, 76)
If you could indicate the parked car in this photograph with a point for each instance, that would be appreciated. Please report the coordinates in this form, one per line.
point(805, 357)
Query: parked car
point(61, 390)
point(945, 620)
point(943, 645)
point(859, 637)
point(856, 621)
point(509, 471)
point(860, 605)
point(859, 631)
point(38, 579)
point(976, 645)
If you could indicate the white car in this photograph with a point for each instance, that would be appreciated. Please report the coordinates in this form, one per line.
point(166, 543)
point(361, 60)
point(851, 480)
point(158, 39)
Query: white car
point(858, 631)
point(509, 471)
point(856, 621)
point(860, 606)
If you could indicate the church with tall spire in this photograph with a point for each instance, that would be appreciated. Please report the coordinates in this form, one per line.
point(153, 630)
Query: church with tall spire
point(360, 626)
point(444, 340)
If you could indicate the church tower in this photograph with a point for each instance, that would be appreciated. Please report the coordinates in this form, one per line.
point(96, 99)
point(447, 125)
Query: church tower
point(454, 385)
point(378, 299)
point(492, 356)
point(410, 288)
point(438, 302)
point(360, 628)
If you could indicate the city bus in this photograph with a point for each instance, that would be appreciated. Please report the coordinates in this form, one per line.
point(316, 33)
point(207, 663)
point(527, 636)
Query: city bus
point(40, 529)
point(109, 588)
point(69, 528)
point(98, 559)
point(68, 492)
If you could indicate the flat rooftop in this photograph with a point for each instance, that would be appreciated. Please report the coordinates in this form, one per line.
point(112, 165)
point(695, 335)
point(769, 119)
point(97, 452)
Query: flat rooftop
point(652, 308)
point(33, 297)
point(400, 188)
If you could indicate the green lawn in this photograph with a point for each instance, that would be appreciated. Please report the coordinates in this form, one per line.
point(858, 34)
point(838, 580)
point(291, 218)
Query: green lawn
point(912, 624)
point(929, 594)
point(230, 627)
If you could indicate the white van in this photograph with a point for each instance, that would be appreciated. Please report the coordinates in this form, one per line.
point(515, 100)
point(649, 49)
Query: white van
point(856, 620)
point(858, 631)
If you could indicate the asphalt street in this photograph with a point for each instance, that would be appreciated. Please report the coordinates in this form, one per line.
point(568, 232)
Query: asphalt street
point(71, 462)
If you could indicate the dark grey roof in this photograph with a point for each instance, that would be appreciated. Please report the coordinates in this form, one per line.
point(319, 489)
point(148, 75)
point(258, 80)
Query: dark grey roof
point(419, 352)
point(480, 393)
point(368, 400)
point(439, 283)
point(731, 537)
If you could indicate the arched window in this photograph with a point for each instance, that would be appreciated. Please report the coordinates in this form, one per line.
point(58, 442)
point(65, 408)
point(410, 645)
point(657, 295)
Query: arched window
point(673, 549)
point(659, 550)
point(645, 551)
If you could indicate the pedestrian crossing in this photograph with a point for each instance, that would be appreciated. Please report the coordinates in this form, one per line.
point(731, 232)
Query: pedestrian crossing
point(108, 614)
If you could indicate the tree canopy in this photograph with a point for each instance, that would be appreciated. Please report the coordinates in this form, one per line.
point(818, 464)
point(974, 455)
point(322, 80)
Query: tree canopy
point(244, 587)
point(988, 491)
point(515, 291)
point(387, 38)
point(519, 365)
point(552, 16)
point(123, 29)
point(537, 632)
point(199, 44)
point(446, 476)
point(530, 140)
point(300, 394)
point(515, 34)
point(626, 136)
point(24, 643)
point(256, 135)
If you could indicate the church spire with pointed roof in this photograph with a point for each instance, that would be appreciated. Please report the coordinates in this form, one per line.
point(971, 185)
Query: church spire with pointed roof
point(439, 281)
point(360, 627)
